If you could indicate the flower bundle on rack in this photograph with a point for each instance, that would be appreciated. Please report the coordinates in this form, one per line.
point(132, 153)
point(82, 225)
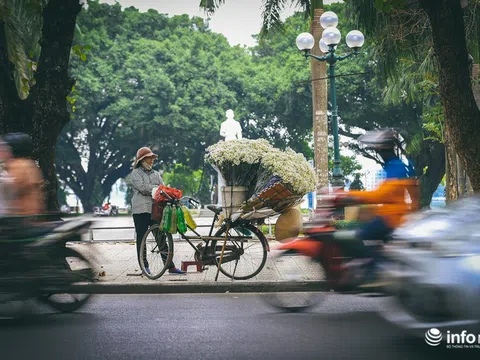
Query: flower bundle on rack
point(276, 180)
point(293, 169)
point(283, 178)
point(238, 160)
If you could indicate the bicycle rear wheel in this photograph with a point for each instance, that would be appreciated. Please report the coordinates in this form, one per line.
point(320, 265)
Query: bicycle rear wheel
point(245, 252)
point(156, 252)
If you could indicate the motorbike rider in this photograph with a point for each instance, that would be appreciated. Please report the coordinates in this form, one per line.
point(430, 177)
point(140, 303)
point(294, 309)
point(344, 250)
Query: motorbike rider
point(395, 198)
point(27, 178)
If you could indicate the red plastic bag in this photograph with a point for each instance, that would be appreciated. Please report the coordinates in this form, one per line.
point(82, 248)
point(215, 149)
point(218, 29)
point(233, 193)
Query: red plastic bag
point(160, 200)
point(172, 192)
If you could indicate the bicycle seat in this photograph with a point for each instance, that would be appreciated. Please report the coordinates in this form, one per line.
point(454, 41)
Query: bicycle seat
point(215, 208)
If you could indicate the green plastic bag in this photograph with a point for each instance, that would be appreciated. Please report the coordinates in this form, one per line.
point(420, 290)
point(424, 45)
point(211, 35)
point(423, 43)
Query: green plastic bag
point(182, 227)
point(173, 221)
point(166, 218)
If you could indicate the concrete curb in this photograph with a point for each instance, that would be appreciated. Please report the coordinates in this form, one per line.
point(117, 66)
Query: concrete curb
point(211, 288)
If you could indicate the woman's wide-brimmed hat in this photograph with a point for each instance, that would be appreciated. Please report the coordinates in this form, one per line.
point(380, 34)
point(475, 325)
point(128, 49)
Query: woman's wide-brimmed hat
point(142, 153)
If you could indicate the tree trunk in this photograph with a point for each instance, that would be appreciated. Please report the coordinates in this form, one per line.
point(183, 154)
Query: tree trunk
point(319, 99)
point(87, 203)
point(111, 179)
point(462, 116)
point(462, 178)
point(48, 96)
point(451, 174)
point(476, 93)
point(86, 185)
point(432, 156)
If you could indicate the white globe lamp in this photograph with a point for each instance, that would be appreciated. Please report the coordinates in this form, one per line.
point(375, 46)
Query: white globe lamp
point(305, 41)
point(329, 19)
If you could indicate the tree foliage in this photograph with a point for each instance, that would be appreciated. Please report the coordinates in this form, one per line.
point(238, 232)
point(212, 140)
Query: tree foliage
point(402, 28)
point(426, 48)
point(35, 41)
point(182, 177)
point(23, 24)
point(166, 82)
point(148, 80)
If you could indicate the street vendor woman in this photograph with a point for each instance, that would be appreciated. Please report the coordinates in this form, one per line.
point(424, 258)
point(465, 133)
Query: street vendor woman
point(144, 179)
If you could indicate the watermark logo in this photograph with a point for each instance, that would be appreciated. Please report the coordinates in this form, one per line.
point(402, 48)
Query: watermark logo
point(433, 337)
point(463, 340)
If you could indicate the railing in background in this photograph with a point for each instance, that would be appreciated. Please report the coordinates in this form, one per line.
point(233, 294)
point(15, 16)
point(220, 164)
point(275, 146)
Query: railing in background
point(92, 239)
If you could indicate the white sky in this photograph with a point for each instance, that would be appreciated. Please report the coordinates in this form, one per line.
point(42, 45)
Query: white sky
point(237, 20)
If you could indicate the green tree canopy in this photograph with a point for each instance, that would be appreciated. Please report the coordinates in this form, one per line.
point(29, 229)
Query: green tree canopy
point(147, 80)
point(166, 82)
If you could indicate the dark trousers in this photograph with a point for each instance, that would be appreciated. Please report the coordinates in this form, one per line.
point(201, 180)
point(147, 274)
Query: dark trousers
point(377, 229)
point(142, 222)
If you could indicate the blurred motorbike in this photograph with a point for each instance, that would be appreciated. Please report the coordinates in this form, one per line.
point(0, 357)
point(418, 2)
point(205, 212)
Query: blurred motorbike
point(345, 264)
point(434, 277)
point(36, 263)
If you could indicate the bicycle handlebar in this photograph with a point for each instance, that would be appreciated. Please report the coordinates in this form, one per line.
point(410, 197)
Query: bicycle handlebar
point(191, 200)
point(168, 196)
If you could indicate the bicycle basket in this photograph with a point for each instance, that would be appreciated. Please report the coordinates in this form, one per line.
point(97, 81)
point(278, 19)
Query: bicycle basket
point(160, 200)
point(157, 211)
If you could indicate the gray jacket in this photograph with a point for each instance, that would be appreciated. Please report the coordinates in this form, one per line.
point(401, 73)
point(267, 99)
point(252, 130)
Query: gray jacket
point(142, 183)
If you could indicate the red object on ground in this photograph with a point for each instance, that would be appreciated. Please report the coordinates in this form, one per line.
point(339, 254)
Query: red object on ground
point(186, 264)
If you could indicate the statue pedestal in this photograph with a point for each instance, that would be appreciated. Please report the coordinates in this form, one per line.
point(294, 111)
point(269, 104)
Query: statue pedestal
point(221, 184)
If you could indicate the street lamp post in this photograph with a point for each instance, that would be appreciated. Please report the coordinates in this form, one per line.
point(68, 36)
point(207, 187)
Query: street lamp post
point(328, 44)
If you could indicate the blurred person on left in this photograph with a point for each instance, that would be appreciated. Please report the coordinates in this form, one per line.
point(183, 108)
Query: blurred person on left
point(27, 184)
point(5, 180)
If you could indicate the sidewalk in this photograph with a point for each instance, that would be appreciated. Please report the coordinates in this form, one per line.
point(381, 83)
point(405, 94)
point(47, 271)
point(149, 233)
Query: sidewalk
point(117, 271)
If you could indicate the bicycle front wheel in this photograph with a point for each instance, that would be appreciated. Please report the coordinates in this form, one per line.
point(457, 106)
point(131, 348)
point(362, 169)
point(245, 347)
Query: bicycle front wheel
point(245, 252)
point(156, 252)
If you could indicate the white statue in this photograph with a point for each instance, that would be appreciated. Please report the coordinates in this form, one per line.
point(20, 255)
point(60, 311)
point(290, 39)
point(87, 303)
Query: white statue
point(231, 129)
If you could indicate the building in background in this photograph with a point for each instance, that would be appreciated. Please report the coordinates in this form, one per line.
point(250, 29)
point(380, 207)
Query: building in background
point(373, 179)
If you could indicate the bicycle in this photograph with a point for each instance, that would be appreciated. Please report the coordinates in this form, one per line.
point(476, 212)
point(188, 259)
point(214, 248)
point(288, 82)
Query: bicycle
point(241, 238)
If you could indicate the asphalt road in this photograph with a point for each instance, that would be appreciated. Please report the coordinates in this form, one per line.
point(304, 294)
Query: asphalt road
point(227, 326)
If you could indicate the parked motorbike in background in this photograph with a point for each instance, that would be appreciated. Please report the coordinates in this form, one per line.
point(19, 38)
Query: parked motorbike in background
point(36, 263)
point(105, 210)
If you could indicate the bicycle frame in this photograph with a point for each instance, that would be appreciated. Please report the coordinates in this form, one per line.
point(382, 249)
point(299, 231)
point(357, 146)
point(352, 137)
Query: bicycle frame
point(206, 239)
point(234, 240)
